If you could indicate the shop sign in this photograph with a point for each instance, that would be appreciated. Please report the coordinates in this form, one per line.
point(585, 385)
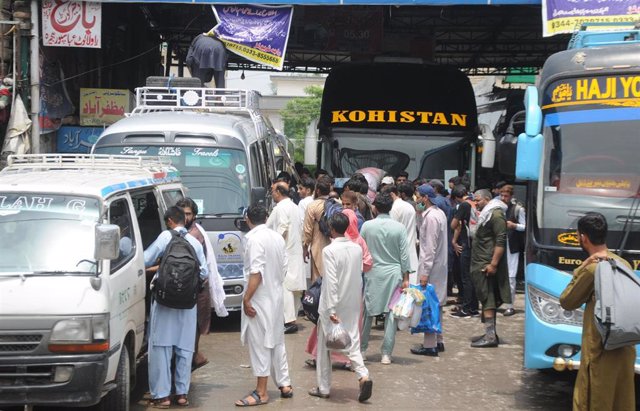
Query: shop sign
point(72, 139)
point(100, 106)
point(71, 23)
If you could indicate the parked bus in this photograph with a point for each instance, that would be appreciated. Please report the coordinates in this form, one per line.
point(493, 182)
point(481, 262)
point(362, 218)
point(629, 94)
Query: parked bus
point(417, 118)
point(579, 154)
point(224, 150)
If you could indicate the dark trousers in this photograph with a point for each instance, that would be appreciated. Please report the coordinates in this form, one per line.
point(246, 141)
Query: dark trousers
point(469, 298)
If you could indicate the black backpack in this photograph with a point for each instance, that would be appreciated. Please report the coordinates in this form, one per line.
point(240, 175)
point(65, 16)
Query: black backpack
point(311, 301)
point(178, 280)
point(331, 207)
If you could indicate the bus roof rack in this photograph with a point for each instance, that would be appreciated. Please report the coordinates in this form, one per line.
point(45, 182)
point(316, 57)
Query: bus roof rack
point(201, 99)
point(605, 34)
point(84, 161)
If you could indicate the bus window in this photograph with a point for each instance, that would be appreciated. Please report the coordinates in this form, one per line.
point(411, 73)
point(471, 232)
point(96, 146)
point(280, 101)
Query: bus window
point(258, 171)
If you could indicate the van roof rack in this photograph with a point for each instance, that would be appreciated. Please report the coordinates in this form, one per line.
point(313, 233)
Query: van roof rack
point(85, 161)
point(199, 99)
point(600, 34)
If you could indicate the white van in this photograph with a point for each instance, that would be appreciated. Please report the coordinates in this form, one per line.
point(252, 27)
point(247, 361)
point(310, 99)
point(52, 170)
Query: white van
point(73, 229)
point(224, 149)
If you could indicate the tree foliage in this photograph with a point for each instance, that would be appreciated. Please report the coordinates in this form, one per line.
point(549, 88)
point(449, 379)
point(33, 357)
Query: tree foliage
point(297, 116)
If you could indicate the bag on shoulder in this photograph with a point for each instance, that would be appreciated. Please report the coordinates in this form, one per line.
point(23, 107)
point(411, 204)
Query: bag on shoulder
point(472, 224)
point(617, 292)
point(178, 279)
point(331, 207)
point(311, 301)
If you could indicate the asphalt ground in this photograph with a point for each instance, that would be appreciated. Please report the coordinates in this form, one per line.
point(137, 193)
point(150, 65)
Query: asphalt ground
point(461, 378)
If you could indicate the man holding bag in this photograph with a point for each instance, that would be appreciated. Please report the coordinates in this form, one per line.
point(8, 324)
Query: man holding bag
point(340, 300)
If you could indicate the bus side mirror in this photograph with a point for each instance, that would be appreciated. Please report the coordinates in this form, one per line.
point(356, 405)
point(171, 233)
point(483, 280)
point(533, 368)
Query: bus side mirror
point(530, 143)
point(488, 146)
point(107, 242)
point(258, 195)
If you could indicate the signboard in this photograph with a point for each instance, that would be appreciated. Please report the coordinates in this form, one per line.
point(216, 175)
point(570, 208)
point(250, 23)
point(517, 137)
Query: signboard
point(68, 23)
point(72, 139)
point(566, 16)
point(100, 106)
point(602, 91)
point(257, 33)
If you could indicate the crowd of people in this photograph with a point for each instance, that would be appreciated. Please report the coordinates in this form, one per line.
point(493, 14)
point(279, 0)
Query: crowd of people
point(376, 240)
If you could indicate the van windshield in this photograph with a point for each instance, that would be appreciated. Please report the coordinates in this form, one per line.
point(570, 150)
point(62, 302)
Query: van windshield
point(47, 233)
point(217, 178)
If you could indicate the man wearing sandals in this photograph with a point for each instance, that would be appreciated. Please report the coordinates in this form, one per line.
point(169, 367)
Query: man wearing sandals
point(340, 301)
point(171, 330)
point(265, 263)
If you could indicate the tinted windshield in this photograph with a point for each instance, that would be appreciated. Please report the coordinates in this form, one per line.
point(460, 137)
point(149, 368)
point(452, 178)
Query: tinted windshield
point(217, 178)
point(47, 233)
point(590, 164)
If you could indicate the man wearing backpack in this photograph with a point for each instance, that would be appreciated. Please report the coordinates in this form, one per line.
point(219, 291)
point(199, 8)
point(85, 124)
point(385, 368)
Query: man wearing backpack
point(606, 377)
point(172, 330)
point(516, 223)
point(314, 241)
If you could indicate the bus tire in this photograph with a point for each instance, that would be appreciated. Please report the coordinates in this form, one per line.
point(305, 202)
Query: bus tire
point(119, 398)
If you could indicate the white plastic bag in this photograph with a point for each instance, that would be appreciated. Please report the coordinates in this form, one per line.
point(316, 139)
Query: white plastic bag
point(338, 338)
point(417, 314)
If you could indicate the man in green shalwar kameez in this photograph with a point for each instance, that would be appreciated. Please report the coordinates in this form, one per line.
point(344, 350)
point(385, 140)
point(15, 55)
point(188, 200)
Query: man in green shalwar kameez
point(387, 243)
point(489, 271)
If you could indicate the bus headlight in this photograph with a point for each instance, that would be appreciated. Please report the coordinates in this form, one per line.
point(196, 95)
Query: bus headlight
point(547, 308)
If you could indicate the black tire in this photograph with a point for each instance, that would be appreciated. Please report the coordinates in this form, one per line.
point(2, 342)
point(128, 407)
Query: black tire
point(119, 398)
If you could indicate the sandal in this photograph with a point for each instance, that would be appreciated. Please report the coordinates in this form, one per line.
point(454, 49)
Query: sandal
point(286, 394)
point(315, 392)
point(366, 387)
point(311, 363)
point(254, 394)
point(182, 400)
point(161, 403)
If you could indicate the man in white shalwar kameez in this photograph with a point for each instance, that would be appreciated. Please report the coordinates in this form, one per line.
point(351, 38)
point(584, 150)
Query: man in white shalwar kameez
point(171, 330)
point(340, 301)
point(433, 260)
point(403, 212)
point(265, 262)
point(285, 219)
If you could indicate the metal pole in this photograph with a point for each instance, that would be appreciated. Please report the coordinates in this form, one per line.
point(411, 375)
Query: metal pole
point(35, 78)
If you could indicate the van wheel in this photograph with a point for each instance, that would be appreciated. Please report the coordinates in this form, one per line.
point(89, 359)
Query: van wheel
point(119, 398)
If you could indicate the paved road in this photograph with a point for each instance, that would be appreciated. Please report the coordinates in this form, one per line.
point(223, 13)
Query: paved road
point(462, 378)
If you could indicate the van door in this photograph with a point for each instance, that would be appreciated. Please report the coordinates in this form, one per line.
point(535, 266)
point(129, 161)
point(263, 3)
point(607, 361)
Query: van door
point(126, 280)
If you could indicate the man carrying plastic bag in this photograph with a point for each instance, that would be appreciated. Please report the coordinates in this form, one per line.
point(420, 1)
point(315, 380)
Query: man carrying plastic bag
point(340, 301)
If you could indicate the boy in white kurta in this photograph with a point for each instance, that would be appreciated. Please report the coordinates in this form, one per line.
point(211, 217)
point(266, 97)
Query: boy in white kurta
point(285, 220)
point(340, 301)
point(265, 263)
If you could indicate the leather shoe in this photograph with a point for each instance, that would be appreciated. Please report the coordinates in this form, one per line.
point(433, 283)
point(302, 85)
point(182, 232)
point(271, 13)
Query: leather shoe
point(479, 337)
point(430, 352)
point(485, 342)
point(509, 312)
point(440, 347)
point(290, 328)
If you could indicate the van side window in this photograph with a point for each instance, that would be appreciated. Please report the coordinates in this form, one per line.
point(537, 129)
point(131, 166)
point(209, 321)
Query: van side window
point(256, 169)
point(149, 218)
point(171, 197)
point(120, 215)
point(267, 164)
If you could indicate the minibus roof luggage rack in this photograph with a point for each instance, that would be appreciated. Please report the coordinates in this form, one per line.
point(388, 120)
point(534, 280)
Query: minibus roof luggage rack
point(199, 99)
point(85, 161)
point(599, 34)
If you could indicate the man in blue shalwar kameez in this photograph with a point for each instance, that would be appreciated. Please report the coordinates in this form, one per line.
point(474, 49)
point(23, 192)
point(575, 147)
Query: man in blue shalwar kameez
point(171, 330)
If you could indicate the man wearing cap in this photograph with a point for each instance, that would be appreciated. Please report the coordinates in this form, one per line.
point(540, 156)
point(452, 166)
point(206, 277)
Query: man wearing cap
point(388, 180)
point(432, 267)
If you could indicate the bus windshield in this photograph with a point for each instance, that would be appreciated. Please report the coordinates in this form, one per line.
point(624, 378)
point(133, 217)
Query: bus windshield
point(590, 165)
point(217, 178)
point(47, 233)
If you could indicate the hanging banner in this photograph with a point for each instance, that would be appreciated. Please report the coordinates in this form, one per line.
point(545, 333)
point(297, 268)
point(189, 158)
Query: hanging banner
point(68, 23)
point(566, 16)
point(257, 33)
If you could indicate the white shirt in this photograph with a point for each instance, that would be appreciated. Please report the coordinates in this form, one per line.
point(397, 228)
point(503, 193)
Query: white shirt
point(404, 213)
point(285, 220)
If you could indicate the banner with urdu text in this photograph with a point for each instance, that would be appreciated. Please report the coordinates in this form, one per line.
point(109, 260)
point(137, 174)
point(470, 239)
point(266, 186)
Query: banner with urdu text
point(257, 33)
point(566, 16)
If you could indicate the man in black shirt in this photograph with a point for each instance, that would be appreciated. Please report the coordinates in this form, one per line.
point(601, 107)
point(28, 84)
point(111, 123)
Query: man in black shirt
point(462, 252)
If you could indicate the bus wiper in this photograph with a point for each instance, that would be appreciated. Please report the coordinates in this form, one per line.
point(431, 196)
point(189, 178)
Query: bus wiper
point(626, 229)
